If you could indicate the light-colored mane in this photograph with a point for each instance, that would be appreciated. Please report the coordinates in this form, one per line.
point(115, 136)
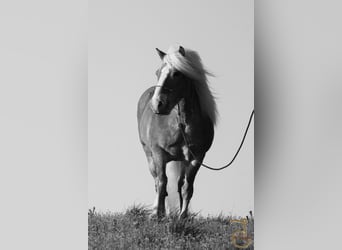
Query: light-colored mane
point(191, 66)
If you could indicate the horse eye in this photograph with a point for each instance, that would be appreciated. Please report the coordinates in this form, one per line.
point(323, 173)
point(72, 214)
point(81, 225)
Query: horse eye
point(176, 74)
point(167, 90)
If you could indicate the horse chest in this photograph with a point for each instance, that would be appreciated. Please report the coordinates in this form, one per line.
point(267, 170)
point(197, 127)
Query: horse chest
point(167, 134)
point(175, 141)
point(174, 134)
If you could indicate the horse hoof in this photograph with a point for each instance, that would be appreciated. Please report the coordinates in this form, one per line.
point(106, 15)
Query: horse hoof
point(183, 215)
point(153, 216)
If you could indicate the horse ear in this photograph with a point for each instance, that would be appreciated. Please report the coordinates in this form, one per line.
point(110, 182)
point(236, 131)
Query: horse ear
point(161, 53)
point(181, 50)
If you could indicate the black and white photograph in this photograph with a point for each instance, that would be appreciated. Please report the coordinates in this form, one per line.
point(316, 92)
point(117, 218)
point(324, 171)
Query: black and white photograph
point(170, 125)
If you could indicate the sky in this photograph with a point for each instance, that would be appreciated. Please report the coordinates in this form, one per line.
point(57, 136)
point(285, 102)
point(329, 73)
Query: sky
point(122, 62)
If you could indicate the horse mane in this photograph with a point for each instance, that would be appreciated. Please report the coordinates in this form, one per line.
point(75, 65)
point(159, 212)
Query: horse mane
point(191, 66)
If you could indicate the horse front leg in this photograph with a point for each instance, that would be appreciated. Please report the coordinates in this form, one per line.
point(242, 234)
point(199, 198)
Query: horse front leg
point(161, 184)
point(153, 171)
point(188, 188)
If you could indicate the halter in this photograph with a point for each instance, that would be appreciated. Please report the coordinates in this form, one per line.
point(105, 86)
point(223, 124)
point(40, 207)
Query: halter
point(181, 126)
point(161, 86)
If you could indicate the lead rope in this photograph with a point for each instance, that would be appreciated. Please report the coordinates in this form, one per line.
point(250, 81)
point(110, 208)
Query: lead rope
point(181, 126)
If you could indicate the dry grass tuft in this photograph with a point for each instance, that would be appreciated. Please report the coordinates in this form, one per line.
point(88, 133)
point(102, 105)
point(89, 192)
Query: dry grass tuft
point(134, 229)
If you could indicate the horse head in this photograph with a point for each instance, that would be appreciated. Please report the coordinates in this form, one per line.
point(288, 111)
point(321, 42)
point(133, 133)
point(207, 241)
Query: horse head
point(171, 84)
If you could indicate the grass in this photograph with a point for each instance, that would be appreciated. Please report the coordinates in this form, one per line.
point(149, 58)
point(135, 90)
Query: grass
point(134, 229)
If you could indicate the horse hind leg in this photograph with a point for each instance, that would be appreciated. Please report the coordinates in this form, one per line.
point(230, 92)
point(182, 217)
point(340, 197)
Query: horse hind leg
point(175, 177)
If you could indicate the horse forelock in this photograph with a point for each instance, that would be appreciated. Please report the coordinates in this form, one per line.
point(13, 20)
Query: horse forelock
point(191, 66)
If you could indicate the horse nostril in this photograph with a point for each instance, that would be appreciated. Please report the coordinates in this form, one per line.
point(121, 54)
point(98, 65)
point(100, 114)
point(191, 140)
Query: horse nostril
point(160, 104)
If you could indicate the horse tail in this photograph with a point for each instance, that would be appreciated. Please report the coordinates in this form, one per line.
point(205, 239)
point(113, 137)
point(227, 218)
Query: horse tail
point(174, 170)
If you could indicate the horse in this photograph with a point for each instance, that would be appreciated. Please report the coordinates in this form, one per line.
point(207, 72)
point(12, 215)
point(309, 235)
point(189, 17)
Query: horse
point(176, 120)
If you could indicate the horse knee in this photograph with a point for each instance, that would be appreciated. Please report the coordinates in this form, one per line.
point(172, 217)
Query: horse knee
point(187, 190)
point(190, 192)
point(180, 184)
point(156, 186)
point(162, 186)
